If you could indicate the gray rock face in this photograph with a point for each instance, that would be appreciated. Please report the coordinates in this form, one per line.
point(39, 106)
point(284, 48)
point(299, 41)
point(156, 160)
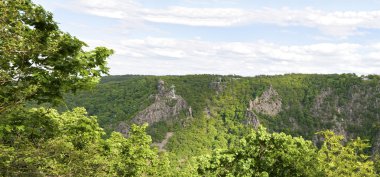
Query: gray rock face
point(344, 115)
point(123, 128)
point(190, 114)
point(166, 106)
point(328, 109)
point(161, 87)
point(251, 119)
point(268, 103)
point(163, 108)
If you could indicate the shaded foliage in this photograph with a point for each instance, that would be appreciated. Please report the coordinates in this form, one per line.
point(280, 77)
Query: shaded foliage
point(70, 144)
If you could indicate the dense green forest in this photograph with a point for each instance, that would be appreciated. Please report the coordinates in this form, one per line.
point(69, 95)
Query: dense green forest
point(60, 117)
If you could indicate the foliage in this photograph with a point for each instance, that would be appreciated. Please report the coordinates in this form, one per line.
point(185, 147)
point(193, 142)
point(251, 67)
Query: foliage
point(377, 163)
point(57, 144)
point(350, 160)
point(120, 98)
point(37, 60)
point(276, 154)
point(70, 144)
point(134, 154)
point(113, 100)
point(260, 153)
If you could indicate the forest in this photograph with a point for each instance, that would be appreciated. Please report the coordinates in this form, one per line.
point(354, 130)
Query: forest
point(60, 115)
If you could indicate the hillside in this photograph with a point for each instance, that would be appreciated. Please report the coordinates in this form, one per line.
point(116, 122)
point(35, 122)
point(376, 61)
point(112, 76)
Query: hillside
point(210, 111)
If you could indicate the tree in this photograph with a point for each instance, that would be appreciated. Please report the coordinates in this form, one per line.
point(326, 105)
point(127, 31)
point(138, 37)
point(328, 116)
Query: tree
point(377, 163)
point(350, 160)
point(263, 154)
point(40, 62)
point(71, 144)
point(134, 156)
point(42, 142)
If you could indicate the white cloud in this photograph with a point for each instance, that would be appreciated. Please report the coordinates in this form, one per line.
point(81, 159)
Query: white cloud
point(150, 55)
point(124, 9)
point(162, 56)
point(215, 17)
point(336, 23)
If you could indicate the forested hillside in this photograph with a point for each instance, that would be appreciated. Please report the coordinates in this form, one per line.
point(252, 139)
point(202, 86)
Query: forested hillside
point(347, 104)
point(223, 106)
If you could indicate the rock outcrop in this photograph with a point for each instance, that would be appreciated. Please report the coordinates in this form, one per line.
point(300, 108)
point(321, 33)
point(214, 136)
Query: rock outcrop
point(166, 106)
point(268, 103)
point(161, 109)
point(346, 114)
point(251, 119)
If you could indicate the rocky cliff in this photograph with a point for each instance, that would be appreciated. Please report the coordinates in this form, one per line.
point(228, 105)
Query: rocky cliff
point(268, 103)
point(166, 105)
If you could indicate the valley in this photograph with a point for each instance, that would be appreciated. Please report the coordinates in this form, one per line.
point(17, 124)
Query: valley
point(211, 107)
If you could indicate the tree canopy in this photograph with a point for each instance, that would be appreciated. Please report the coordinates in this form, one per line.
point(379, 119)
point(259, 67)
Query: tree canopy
point(43, 142)
point(264, 154)
point(40, 62)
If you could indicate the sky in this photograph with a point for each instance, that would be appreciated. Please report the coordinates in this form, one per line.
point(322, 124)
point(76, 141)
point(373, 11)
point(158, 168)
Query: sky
point(242, 37)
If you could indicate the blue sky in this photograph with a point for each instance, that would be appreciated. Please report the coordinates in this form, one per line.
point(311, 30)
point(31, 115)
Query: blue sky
point(244, 37)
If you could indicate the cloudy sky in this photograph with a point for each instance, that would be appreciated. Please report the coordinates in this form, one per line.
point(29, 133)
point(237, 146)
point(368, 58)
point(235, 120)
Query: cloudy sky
point(244, 37)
